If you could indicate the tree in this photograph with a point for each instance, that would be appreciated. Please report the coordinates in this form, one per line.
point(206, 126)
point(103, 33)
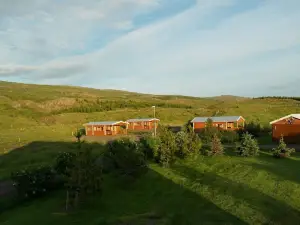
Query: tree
point(78, 134)
point(83, 178)
point(166, 148)
point(127, 157)
point(282, 151)
point(216, 146)
point(249, 146)
point(209, 124)
point(209, 131)
point(188, 142)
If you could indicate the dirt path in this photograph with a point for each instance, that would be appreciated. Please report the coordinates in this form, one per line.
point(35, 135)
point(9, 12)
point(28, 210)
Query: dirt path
point(265, 146)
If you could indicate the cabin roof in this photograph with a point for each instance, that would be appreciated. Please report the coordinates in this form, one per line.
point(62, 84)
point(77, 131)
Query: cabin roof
point(217, 119)
point(142, 120)
point(103, 123)
point(297, 116)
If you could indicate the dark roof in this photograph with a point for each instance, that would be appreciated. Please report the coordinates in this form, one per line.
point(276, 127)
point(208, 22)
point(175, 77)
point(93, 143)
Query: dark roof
point(217, 119)
point(103, 123)
point(142, 119)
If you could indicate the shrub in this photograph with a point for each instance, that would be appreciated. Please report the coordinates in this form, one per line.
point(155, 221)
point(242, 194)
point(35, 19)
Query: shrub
point(84, 177)
point(149, 144)
point(166, 149)
point(229, 136)
point(249, 146)
point(79, 133)
point(31, 183)
point(127, 157)
point(64, 162)
point(209, 131)
point(282, 151)
point(188, 143)
point(216, 147)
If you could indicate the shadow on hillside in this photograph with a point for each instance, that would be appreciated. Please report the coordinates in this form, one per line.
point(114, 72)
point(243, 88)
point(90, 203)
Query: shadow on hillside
point(152, 193)
point(275, 210)
point(286, 169)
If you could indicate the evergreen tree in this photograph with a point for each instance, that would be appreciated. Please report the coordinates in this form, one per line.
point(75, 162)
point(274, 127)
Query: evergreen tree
point(282, 151)
point(216, 146)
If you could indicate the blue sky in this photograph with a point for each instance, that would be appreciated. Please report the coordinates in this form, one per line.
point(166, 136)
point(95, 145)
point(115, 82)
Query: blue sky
point(188, 47)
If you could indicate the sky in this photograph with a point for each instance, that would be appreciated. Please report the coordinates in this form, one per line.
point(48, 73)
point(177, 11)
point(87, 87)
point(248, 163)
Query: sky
point(187, 47)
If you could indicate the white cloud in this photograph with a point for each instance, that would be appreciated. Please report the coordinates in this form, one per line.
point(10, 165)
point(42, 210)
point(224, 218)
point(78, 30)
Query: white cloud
point(178, 54)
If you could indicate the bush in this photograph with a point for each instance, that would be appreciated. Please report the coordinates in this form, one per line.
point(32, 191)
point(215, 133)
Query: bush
point(64, 162)
point(282, 151)
point(31, 183)
point(149, 144)
point(127, 157)
point(256, 129)
point(229, 136)
point(249, 146)
point(79, 133)
point(188, 143)
point(208, 132)
point(216, 147)
point(166, 148)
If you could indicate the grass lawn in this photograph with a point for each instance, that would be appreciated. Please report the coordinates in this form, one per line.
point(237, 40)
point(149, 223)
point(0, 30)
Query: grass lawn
point(206, 190)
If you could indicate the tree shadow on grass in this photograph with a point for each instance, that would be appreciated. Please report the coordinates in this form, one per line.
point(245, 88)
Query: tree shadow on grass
point(274, 210)
point(285, 168)
point(152, 199)
point(37, 153)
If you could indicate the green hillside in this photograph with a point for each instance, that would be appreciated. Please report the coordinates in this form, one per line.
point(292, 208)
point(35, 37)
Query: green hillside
point(41, 112)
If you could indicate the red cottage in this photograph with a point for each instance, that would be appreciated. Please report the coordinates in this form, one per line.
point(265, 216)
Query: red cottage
point(221, 122)
point(142, 124)
point(105, 128)
point(288, 127)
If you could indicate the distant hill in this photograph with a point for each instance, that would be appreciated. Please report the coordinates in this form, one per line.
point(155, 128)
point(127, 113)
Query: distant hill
point(39, 112)
point(229, 98)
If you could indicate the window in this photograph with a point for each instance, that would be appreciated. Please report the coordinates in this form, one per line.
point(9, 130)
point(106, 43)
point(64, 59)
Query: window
point(95, 128)
point(229, 125)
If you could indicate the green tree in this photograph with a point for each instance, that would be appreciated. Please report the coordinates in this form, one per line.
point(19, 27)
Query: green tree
point(127, 158)
point(209, 131)
point(78, 134)
point(83, 178)
point(249, 146)
point(166, 149)
point(216, 146)
point(188, 142)
point(282, 151)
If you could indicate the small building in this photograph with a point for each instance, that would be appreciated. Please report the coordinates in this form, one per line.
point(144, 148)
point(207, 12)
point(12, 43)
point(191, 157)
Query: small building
point(142, 124)
point(105, 128)
point(288, 127)
point(220, 122)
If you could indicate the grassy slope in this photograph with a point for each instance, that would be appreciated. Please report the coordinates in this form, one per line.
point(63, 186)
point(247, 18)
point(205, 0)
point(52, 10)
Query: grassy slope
point(231, 189)
point(225, 190)
point(31, 112)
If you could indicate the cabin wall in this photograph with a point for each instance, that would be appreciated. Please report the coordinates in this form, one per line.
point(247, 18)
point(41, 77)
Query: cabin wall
point(198, 126)
point(290, 132)
point(103, 130)
point(144, 125)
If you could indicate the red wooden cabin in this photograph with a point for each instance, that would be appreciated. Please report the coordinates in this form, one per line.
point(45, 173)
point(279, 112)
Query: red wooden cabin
point(105, 128)
point(288, 127)
point(221, 122)
point(142, 124)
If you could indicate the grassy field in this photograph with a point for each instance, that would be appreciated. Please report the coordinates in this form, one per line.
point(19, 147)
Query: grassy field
point(206, 190)
point(49, 113)
point(37, 122)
